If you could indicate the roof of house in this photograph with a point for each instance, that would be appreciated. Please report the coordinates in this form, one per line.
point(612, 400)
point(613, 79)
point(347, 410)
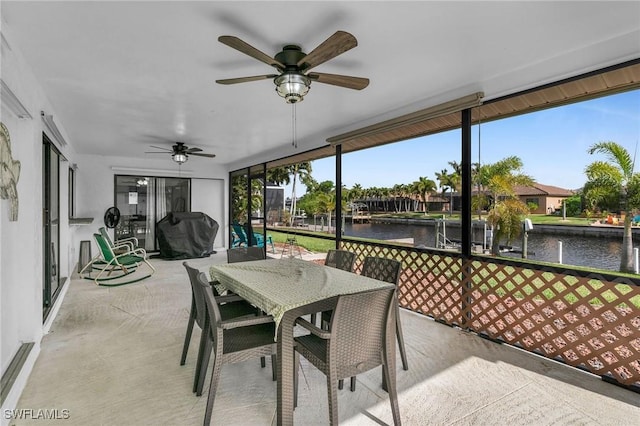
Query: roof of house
point(547, 190)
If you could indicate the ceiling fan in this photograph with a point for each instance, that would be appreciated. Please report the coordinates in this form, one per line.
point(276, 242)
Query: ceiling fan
point(293, 65)
point(180, 152)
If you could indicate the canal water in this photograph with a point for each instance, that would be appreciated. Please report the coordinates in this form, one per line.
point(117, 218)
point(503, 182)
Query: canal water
point(595, 252)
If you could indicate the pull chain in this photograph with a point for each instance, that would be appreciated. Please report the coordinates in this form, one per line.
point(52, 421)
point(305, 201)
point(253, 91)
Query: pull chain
point(294, 130)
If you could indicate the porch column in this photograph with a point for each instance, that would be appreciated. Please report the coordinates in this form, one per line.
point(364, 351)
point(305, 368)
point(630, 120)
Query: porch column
point(465, 210)
point(338, 195)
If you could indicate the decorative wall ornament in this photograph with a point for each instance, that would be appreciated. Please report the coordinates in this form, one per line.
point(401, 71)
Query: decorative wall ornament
point(9, 173)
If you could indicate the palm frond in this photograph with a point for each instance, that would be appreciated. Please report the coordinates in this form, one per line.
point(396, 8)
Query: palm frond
point(616, 154)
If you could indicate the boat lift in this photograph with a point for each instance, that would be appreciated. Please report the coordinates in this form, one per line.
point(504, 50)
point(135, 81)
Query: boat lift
point(477, 227)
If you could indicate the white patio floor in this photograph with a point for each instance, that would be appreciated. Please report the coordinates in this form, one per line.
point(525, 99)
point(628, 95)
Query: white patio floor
point(112, 358)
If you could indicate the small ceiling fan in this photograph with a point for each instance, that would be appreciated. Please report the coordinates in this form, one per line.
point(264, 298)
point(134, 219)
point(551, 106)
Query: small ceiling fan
point(293, 65)
point(180, 152)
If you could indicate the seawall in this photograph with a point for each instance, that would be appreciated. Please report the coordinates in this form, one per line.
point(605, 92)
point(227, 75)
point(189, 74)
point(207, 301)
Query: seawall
point(604, 231)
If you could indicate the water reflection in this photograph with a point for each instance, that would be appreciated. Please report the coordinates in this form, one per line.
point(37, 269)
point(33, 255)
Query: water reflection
point(595, 252)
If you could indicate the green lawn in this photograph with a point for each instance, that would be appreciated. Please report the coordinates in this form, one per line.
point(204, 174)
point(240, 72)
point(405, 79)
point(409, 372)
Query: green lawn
point(316, 245)
point(543, 219)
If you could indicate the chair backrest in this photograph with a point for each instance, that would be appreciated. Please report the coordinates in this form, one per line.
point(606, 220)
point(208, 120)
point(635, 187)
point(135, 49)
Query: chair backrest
point(212, 312)
point(239, 231)
point(105, 248)
point(340, 259)
point(381, 268)
point(361, 326)
point(198, 294)
point(245, 254)
point(105, 235)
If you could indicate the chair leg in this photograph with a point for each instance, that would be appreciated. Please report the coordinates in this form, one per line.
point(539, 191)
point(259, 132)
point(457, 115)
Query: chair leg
point(215, 376)
point(353, 384)
point(390, 379)
point(313, 319)
point(333, 398)
point(340, 384)
point(274, 368)
point(204, 363)
point(201, 349)
point(400, 336)
point(263, 362)
point(187, 337)
point(296, 371)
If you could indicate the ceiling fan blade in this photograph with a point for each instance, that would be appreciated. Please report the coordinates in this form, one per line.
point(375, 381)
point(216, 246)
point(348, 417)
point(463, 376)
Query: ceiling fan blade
point(246, 79)
point(247, 49)
point(338, 43)
point(357, 83)
point(157, 152)
point(192, 150)
point(202, 154)
point(160, 147)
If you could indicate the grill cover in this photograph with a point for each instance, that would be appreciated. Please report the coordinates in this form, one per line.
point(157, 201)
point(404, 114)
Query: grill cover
point(185, 235)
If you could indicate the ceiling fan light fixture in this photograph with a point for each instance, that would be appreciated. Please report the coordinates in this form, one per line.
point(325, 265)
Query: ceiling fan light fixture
point(179, 157)
point(292, 87)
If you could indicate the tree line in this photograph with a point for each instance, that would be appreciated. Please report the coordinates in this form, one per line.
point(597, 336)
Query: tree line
point(612, 185)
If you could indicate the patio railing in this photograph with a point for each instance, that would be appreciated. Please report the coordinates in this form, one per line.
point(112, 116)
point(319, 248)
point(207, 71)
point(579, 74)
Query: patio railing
point(586, 320)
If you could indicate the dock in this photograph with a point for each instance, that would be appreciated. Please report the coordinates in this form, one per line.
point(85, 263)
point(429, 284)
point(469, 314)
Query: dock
point(361, 218)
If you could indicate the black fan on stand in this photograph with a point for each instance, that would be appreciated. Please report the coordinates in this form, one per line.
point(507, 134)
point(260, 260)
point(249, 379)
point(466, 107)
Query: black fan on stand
point(111, 217)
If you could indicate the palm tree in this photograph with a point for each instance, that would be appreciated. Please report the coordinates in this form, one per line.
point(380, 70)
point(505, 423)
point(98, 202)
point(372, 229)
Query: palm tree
point(356, 192)
point(615, 176)
point(448, 182)
point(239, 200)
point(425, 187)
point(302, 170)
point(500, 180)
point(279, 175)
point(327, 204)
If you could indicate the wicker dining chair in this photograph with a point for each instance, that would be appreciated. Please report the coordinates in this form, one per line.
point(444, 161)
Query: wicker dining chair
point(360, 338)
point(233, 307)
point(234, 340)
point(388, 270)
point(339, 259)
point(245, 254)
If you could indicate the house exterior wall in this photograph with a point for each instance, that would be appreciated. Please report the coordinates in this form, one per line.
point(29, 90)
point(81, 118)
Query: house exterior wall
point(21, 261)
point(21, 254)
point(546, 204)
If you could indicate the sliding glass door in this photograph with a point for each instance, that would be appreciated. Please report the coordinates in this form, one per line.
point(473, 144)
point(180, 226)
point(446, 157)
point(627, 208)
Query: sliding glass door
point(51, 223)
point(145, 200)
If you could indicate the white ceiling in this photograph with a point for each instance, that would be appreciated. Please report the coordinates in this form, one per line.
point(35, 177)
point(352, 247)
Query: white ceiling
point(126, 75)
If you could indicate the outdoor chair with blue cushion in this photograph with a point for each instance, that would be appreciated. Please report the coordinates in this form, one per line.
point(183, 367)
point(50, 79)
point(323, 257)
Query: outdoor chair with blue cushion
point(241, 240)
point(357, 341)
point(113, 267)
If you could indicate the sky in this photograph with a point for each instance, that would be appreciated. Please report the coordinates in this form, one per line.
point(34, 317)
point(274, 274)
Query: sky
point(552, 145)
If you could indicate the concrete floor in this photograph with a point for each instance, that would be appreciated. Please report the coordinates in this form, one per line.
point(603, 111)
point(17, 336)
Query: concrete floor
point(112, 358)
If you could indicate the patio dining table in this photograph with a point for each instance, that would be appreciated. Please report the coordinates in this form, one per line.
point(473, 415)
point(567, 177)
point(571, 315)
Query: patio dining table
point(287, 289)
